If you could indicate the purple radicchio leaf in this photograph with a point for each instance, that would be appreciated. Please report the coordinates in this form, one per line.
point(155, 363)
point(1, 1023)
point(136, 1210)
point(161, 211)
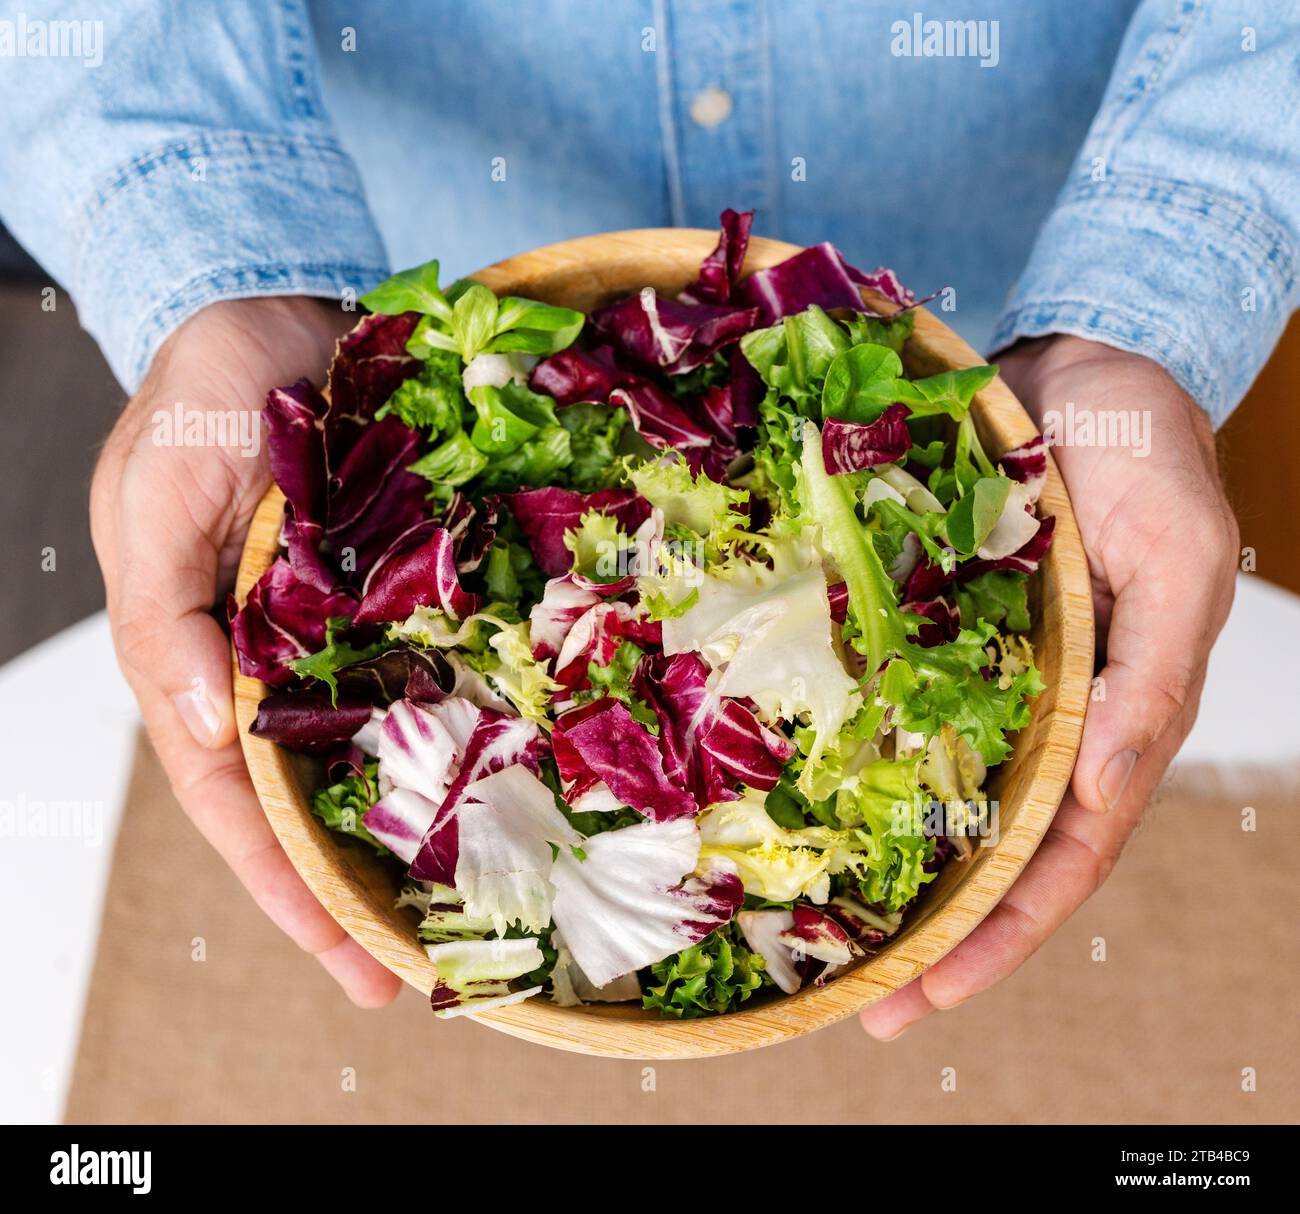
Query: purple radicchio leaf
point(838, 594)
point(497, 742)
point(659, 419)
point(662, 336)
point(305, 720)
point(544, 515)
point(283, 619)
point(601, 742)
point(942, 621)
point(720, 270)
point(373, 499)
point(400, 673)
point(1027, 463)
point(420, 749)
point(370, 364)
point(595, 637)
point(708, 742)
point(820, 936)
point(853, 446)
point(417, 570)
point(817, 275)
point(580, 376)
point(927, 581)
point(472, 529)
point(295, 445)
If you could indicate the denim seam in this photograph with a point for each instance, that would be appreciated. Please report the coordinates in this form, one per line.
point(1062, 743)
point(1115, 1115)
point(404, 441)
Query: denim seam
point(665, 86)
point(231, 282)
point(775, 200)
point(1106, 318)
point(1253, 227)
point(163, 155)
point(321, 153)
point(1144, 75)
point(299, 47)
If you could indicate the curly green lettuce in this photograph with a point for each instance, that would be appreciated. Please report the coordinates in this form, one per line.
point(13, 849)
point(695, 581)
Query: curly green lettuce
point(717, 975)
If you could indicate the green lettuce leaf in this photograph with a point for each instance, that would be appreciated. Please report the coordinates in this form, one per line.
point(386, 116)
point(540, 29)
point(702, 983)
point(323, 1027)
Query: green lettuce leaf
point(881, 331)
point(470, 320)
point(341, 806)
point(451, 463)
point(594, 432)
point(999, 597)
point(883, 809)
point(597, 544)
point(696, 502)
point(946, 683)
point(539, 461)
point(413, 290)
point(511, 575)
point(862, 383)
point(508, 417)
point(324, 663)
point(949, 392)
point(432, 400)
point(927, 686)
point(794, 355)
point(525, 326)
point(715, 976)
point(975, 513)
point(616, 680)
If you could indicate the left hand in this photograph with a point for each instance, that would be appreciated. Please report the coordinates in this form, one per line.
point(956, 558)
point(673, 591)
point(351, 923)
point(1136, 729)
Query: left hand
point(1163, 550)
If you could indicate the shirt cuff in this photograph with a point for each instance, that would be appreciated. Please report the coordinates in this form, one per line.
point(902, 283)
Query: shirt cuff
point(1195, 280)
point(225, 215)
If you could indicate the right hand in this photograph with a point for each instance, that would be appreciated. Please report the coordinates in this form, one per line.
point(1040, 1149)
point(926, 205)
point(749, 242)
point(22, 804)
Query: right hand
point(168, 524)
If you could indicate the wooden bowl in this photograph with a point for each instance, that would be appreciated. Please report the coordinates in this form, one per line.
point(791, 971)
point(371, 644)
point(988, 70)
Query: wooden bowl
point(357, 889)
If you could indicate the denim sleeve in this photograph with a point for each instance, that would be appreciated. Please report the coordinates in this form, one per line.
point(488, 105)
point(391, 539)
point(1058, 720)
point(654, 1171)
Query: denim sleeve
point(1175, 235)
point(156, 157)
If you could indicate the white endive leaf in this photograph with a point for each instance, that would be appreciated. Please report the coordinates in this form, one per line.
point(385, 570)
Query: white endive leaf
point(475, 975)
point(507, 824)
point(763, 931)
point(625, 905)
point(1016, 526)
point(421, 746)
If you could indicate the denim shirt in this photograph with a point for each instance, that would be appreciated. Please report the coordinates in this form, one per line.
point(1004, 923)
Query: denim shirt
point(1127, 172)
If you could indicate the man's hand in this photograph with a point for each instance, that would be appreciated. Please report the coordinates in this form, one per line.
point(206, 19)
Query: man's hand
point(1162, 548)
point(168, 523)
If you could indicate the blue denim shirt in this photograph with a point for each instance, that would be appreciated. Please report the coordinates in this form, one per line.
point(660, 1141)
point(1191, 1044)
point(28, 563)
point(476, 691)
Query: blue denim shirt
point(1127, 172)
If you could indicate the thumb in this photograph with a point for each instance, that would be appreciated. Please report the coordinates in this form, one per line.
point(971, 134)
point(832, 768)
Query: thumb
point(1162, 625)
point(162, 591)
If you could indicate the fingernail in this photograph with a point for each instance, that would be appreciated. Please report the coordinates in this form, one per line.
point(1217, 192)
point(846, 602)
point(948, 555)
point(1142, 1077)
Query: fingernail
point(199, 714)
point(1115, 777)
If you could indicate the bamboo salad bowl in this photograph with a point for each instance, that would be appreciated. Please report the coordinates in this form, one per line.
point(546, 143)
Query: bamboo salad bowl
point(358, 889)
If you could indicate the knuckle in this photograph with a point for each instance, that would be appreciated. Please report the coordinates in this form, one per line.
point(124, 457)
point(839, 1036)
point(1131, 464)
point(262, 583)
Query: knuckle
point(136, 636)
point(1174, 684)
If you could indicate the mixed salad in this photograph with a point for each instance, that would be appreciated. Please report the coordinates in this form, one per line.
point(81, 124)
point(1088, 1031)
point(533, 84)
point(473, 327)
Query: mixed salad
point(663, 650)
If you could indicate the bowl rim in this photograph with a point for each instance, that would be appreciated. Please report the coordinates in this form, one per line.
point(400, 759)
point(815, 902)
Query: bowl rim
point(606, 1031)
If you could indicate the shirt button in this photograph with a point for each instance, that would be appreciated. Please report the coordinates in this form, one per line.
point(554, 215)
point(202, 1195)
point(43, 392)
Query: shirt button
point(712, 107)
